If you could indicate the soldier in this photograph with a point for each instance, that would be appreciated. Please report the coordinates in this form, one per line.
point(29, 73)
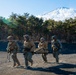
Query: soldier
point(43, 44)
point(29, 47)
point(13, 48)
point(56, 47)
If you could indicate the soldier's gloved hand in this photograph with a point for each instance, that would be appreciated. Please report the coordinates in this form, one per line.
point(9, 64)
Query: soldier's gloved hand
point(60, 51)
point(32, 53)
point(23, 53)
point(8, 51)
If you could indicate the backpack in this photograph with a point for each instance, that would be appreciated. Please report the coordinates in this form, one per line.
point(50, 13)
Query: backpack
point(55, 45)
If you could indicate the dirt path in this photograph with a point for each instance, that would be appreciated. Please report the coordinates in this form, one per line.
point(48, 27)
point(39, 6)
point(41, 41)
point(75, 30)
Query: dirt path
point(67, 65)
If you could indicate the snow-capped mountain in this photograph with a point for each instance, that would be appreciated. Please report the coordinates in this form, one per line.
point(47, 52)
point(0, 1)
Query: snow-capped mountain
point(59, 14)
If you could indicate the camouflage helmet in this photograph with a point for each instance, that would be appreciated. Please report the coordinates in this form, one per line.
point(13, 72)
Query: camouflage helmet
point(54, 37)
point(10, 37)
point(26, 36)
point(42, 39)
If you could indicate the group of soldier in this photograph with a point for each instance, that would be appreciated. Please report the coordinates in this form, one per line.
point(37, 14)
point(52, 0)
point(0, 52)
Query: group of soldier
point(29, 49)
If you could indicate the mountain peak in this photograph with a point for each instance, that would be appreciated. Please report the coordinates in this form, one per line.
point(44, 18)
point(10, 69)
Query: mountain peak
point(61, 13)
point(64, 8)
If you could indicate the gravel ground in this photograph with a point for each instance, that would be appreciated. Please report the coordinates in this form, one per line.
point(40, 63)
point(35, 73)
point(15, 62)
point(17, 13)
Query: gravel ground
point(67, 65)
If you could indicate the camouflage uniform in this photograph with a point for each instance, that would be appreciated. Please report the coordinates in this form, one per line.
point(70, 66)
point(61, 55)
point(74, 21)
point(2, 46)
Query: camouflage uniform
point(29, 47)
point(56, 46)
point(42, 44)
point(13, 48)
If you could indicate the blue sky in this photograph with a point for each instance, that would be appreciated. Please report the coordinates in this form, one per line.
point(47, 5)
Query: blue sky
point(34, 7)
